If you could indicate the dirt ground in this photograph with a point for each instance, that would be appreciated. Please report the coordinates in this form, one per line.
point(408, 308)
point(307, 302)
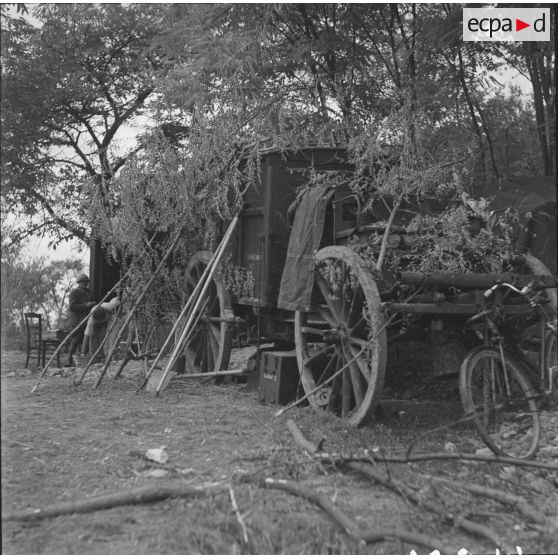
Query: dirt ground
point(65, 443)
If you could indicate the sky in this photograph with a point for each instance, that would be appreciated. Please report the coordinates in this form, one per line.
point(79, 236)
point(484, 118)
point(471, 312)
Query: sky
point(74, 249)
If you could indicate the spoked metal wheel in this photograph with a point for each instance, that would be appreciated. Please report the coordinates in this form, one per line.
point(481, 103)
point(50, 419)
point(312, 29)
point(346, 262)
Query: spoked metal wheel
point(343, 337)
point(209, 346)
point(501, 402)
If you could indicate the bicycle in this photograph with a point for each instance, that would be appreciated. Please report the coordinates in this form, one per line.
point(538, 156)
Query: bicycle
point(495, 378)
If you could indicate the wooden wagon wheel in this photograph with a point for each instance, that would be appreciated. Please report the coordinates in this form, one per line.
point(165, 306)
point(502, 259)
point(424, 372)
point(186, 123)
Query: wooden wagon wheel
point(209, 347)
point(345, 319)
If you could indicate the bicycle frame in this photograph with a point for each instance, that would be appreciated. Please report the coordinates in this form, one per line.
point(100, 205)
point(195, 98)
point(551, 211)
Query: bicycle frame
point(494, 331)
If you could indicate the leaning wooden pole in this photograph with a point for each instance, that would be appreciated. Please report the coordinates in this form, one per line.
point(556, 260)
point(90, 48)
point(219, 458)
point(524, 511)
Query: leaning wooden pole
point(59, 348)
point(136, 305)
point(192, 315)
point(150, 371)
point(187, 306)
point(98, 351)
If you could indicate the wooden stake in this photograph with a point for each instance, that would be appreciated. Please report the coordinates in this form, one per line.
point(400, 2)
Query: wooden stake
point(142, 351)
point(59, 348)
point(137, 303)
point(99, 349)
point(192, 313)
point(187, 306)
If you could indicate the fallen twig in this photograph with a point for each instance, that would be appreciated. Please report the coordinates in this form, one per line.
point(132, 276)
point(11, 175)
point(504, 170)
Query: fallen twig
point(197, 375)
point(310, 447)
point(401, 489)
point(494, 494)
point(350, 527)
point(238, 515)
point(497, 459)
point(130, 497)
point(477, 530)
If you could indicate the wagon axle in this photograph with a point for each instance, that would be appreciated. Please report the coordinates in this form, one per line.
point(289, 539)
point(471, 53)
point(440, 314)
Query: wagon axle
point(336, 336)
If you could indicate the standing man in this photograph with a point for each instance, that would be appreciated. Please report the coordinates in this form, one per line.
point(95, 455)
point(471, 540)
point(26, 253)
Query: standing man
point(81, 301)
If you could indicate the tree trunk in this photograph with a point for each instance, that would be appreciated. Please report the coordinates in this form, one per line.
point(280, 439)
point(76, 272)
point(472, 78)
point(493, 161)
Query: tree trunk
point(543, 100)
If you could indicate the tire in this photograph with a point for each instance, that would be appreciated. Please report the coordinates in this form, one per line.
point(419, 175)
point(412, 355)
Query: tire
point(343, 329)
point(501, 402)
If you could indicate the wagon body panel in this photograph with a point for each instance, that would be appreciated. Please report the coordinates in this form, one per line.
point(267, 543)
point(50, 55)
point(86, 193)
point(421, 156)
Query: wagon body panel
point(261, 238)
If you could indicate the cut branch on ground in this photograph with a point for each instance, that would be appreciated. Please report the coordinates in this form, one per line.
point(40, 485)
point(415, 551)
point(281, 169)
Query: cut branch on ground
point(134, 496)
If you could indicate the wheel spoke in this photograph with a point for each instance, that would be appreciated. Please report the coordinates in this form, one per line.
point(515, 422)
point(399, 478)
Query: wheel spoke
point(358, 341)
point(346, 389)
point(356, 380)
point(361, 362)
point(325, 372)
point(213, 343)
point(316, 356)
point(211, 355)
point(200, 348)
point(214, 332)
point(204, 348)
point(328, 296)
point(328, 317)
point(189, 355)
point(358, 324)
point(312, 330)
point(356, 308)
point(334, 393)
point(213, 305)
point(193, 341)
point(345, 285)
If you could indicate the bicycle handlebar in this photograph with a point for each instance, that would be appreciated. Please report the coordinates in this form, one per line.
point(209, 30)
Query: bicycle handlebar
point(524, 291)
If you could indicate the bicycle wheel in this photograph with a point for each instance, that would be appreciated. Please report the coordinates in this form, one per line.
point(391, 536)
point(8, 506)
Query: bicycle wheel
point(501, 402)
